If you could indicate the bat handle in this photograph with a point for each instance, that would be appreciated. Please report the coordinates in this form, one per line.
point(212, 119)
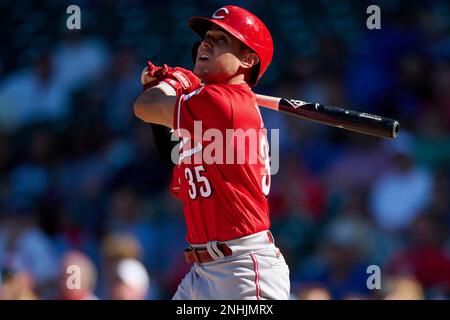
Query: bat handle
point(268, 101)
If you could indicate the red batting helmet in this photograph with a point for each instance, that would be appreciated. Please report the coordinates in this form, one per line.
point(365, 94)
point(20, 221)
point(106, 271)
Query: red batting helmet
point(244, 26)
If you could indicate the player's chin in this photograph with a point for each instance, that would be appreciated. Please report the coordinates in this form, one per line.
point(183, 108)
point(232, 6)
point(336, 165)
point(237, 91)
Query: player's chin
point(200, 70)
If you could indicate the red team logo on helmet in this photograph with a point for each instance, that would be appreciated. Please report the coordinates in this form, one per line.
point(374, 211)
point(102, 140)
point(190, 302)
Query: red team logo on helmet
point(244, 26)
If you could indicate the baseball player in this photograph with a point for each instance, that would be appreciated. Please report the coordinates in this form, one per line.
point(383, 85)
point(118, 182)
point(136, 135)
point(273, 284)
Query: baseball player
point(225, 202)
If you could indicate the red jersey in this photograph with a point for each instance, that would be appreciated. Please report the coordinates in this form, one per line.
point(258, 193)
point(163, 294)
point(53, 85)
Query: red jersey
point(223, 175)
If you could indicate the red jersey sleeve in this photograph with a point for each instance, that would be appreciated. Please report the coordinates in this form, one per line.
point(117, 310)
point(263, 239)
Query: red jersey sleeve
point(209, 105)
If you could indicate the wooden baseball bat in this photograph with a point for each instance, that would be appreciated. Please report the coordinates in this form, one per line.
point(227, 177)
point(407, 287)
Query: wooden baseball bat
point(333, 116)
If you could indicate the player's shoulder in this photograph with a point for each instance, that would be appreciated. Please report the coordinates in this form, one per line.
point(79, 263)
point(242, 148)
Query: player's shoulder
point(207, 91)
point(230, 91)
point(214, 90)
point(211, 93)
point(223, 94)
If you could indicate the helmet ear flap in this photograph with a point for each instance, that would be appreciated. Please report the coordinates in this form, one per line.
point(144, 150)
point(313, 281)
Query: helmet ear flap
point(194, 50)
point(254, 74)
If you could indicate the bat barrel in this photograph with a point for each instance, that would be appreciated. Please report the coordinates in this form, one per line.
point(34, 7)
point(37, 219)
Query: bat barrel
point(395, 129)
point(342, 118)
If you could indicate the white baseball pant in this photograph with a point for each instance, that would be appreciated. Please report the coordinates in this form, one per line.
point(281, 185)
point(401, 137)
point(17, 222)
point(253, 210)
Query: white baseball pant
point(255, 271)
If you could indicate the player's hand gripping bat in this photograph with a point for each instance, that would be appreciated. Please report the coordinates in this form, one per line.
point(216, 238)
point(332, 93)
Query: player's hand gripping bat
point(333, 116)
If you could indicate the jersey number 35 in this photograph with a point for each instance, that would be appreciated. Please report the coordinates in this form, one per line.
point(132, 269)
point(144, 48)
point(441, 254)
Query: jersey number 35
point(199, 184)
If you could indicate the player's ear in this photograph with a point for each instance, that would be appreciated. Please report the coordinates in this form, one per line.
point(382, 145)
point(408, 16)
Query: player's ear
point(249, 60)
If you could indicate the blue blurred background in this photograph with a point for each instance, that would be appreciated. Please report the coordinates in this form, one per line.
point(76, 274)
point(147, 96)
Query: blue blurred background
point(81, 181)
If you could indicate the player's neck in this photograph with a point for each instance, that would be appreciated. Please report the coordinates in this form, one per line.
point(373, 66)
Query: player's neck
point(238, 79)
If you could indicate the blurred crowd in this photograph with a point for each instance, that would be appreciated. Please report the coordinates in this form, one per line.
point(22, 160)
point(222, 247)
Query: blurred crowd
point(82, 184)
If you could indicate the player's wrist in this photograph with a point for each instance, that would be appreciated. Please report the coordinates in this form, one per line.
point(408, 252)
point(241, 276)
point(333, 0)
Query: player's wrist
point(166, 88)
point(183, 81)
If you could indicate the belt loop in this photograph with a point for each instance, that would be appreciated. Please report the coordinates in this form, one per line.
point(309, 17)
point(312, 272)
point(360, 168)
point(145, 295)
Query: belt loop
point(214, 251)
point(196, 258)
point(217, 250)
